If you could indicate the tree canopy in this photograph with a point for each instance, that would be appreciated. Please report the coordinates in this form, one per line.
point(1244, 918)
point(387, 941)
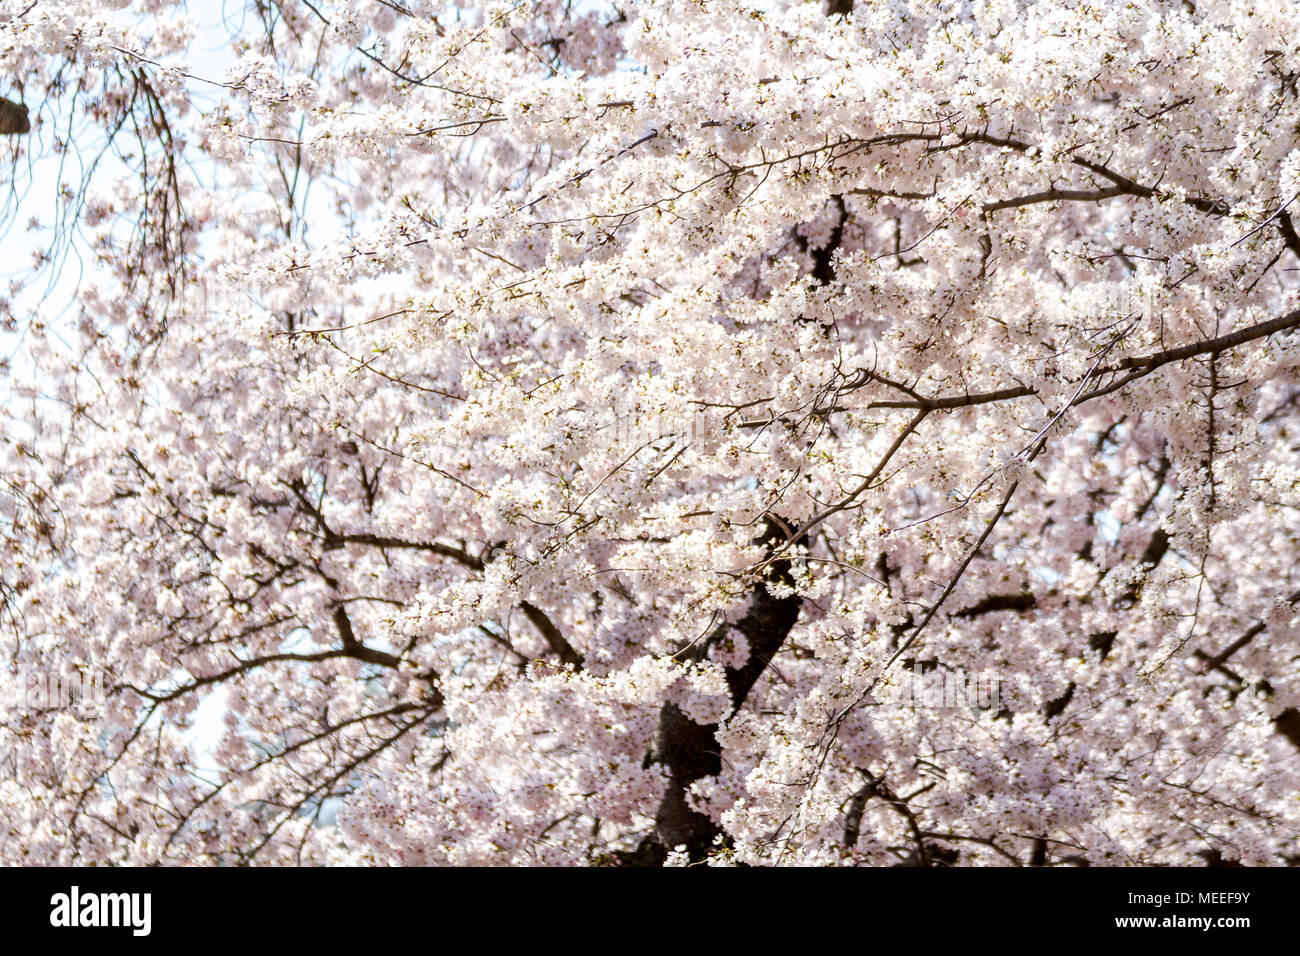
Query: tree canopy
point(561, 433)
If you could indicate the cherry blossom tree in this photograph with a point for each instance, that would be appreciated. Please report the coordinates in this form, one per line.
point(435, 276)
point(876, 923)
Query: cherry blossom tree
point(562, 433)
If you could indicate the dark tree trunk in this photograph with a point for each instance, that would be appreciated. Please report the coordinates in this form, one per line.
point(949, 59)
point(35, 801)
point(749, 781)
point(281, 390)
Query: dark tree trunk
point(13, 118)
point(689, 751)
